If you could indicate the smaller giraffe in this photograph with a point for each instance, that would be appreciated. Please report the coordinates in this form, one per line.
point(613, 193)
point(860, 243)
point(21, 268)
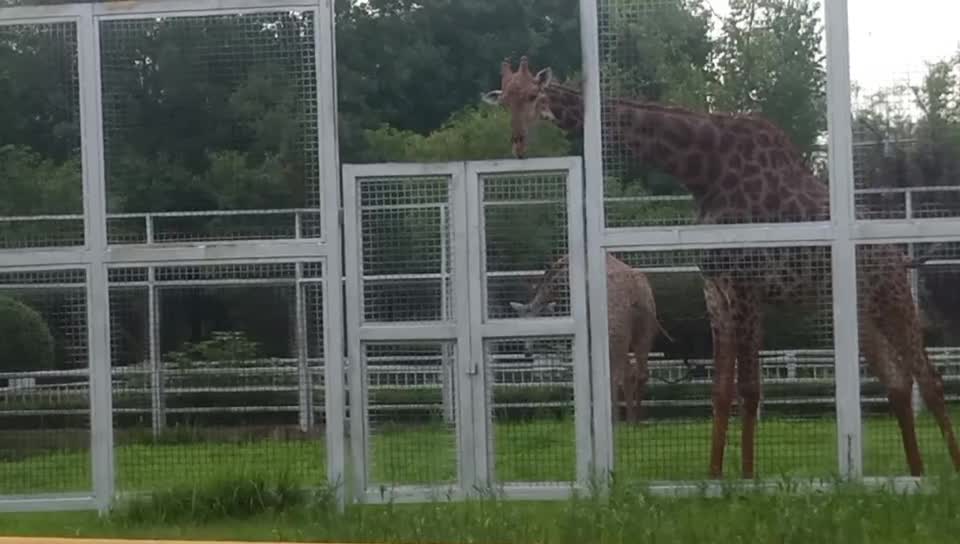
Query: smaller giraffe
point(633, 325)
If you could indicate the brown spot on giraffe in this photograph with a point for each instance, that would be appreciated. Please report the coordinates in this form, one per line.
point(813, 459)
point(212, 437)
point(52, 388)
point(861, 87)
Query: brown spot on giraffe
point(892, 340)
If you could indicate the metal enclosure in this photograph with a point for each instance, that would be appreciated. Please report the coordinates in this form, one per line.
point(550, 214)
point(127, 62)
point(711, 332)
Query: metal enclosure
point(391, 375)
point(122, 260)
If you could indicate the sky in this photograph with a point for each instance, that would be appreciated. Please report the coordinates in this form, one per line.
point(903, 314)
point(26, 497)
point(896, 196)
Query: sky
point(891, 39)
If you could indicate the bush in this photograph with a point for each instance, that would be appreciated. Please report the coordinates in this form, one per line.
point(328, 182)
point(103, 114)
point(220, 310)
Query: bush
point(25, 339)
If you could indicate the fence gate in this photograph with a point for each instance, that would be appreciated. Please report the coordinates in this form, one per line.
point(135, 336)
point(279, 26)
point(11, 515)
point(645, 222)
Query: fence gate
point(454, 387)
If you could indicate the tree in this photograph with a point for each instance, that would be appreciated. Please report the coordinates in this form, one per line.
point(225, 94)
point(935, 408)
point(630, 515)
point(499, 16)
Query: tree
point(769, 61)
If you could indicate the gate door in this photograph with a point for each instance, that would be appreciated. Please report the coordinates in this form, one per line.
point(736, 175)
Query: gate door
point(529, 324)
point(450, 390)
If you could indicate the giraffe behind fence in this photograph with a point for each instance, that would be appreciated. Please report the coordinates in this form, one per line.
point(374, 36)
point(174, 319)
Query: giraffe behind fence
point(744, 169)
point(633, 325)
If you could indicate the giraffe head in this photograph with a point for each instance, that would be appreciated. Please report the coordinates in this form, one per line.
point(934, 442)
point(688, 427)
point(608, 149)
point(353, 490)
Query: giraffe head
point(522, 94)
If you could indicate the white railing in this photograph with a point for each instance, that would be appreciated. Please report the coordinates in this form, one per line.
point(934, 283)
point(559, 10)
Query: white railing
point(25, 393)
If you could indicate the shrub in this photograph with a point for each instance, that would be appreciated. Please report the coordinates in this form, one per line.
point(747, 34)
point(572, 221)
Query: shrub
point(25, 339)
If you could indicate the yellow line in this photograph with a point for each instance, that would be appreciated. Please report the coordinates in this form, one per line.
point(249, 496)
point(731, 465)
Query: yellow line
point(42, 540)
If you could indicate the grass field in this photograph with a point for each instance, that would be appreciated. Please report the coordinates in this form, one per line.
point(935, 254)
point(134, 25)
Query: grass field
point(538, 450)
point(847, 515)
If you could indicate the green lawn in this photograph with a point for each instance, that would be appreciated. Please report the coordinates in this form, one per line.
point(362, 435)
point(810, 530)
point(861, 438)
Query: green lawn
point(847, 516)
point(537, 450)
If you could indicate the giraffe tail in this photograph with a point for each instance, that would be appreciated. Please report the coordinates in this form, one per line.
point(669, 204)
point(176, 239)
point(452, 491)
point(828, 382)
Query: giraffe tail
point(664, 332)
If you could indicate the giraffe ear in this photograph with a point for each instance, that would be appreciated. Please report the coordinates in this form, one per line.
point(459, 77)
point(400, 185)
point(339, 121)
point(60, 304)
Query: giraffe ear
point(492, 97)
point(544, 77)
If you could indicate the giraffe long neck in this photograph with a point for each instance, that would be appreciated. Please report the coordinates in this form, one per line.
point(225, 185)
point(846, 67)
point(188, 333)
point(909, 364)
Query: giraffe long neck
point(547, 290)
point(673, 140)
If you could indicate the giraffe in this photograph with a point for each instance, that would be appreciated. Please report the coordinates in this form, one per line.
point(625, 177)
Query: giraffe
point(743, 169)
point(632, 311)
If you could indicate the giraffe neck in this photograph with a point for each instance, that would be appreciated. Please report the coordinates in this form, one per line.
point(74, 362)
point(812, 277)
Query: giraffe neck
point(668, 138)
point(546, 291)
point(735, 166)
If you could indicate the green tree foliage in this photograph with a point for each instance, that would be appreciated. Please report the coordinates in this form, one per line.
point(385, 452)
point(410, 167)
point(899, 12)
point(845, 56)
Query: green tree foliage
point(769, 61)
point(25, 339)
point(474, 133)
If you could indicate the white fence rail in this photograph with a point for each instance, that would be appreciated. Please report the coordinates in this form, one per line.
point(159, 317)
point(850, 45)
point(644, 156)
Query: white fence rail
point(25, 393)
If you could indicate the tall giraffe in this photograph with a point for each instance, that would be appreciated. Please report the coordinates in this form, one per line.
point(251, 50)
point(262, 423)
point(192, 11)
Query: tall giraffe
point(743, 169)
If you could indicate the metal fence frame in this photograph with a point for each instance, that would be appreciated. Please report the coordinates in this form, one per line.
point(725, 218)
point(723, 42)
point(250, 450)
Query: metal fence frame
point(843, 232)
point(97, 255)
point(468, 327)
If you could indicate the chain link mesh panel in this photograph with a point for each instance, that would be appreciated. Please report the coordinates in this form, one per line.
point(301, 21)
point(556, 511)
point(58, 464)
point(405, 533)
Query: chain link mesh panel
point(223, 108)
point(697, 160)
point(44, 383)
point(531, 403)
point(224, 378)
point(41, 195)
point(791, 350)
point(406, 268)
point(525, 231)
point(906, 118)
point(411, 411)
point(910, 367)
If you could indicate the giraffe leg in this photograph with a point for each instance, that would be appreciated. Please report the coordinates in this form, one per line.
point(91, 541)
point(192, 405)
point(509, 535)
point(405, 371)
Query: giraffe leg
point(749, 341)
point(908, 338)
point(642, 343)
point(619, 379)
point(931, 388)
point(718, 298)
point(885, 363)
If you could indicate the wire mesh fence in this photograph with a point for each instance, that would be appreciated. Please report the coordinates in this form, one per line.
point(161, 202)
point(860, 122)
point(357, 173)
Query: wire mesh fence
point(44, 421)
point(406, 268)
point(910, 405)
point(904, 116)
point(529, 380)
point(525, 229)
point(677, 148)
point(736, 349)
point(211, 135)
point(41, 202)
point(530, 394)
point(218, 370)
point(412, 435)
point(238, 163)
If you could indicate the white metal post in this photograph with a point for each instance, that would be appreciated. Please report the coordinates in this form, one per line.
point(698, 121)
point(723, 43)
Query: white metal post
point(330, 188)
point(845, 325)
point(353, 312)
point(476, 441)
point(304, 382)
point(98, 295)
point(603, 458)
point(448, 371)
point(579, 312)
point(158, 419)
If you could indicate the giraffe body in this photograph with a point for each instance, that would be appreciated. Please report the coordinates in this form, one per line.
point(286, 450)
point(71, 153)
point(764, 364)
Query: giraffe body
point(632, 325)
point(743, 169)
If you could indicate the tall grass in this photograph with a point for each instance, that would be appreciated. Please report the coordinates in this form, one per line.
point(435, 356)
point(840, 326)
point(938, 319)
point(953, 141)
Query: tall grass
point(258, 508)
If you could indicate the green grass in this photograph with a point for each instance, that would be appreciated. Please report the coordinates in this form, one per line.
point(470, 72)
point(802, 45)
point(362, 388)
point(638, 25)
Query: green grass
point(531, 451)
point(257, 511)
